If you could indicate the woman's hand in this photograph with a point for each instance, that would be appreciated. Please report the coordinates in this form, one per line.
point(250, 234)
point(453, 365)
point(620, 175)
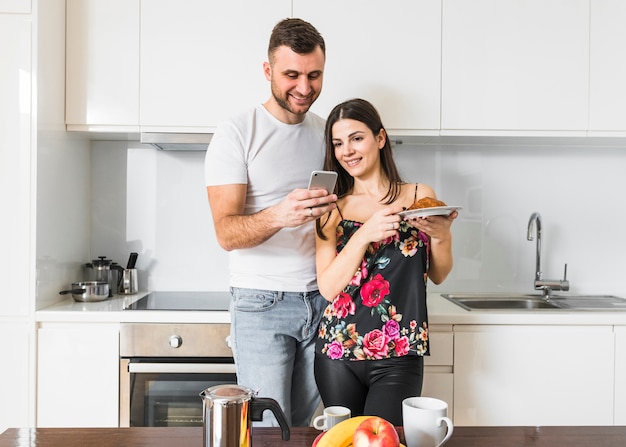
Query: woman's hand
point(381, 225)
point(436, 227)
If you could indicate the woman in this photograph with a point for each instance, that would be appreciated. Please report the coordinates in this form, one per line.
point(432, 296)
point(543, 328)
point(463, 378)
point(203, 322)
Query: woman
point(374, 334)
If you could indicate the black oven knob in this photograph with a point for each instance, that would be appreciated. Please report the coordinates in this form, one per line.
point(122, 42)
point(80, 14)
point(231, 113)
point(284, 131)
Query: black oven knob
point(176, 341)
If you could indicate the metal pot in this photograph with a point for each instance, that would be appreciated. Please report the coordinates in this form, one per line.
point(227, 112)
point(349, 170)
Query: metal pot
point(88, 291)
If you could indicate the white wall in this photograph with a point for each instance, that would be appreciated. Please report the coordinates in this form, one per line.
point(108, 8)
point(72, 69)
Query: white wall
point(576, 190)
point(155, 203)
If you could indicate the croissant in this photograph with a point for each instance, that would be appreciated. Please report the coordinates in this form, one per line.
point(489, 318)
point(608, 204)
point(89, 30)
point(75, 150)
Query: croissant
point(426, 202)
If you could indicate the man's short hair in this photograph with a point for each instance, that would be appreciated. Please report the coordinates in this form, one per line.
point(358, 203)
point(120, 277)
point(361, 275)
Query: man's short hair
point(300, 36)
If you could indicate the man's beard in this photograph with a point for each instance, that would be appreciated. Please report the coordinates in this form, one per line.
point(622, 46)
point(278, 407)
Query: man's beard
point(283, 102)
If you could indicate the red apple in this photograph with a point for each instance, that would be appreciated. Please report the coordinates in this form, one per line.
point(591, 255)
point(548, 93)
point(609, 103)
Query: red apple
point(317, 439)
point(375, 432)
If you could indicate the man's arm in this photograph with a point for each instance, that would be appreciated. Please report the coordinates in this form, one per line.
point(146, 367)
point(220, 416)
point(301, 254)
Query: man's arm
point(236, 230)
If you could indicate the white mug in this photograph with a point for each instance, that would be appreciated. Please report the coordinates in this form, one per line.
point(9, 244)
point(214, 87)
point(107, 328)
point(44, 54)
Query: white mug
point(331, 417)
point(425, 421)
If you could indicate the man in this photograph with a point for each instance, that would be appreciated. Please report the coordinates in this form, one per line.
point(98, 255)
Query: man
point(257, 169)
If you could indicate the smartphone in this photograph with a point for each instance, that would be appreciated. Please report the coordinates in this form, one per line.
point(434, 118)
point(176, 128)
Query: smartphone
point(323, 180)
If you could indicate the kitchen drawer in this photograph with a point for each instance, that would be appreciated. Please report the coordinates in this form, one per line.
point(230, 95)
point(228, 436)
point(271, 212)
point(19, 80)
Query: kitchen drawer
point(441, 346)
point(440, 385)
point(174, 340)
point(438, 367)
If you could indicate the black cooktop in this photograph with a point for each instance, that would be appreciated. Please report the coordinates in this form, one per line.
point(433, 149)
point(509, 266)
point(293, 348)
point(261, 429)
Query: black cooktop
point(217, 301)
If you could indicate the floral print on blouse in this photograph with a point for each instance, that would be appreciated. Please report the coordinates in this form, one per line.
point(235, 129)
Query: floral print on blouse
point(381, 313)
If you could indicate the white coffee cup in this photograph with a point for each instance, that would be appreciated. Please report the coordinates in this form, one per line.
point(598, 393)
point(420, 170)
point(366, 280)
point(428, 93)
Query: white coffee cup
point(331, 417)
point(425, 421)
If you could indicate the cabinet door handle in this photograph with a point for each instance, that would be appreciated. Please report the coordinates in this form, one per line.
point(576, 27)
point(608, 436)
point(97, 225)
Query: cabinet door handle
point(165, 368)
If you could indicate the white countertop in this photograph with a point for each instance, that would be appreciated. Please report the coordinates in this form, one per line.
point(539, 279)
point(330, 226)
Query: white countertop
point(112, 310)
point(440, 312)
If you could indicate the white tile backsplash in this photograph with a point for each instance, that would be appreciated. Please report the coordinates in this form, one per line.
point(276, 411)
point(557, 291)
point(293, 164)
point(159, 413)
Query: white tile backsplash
point(155, 203)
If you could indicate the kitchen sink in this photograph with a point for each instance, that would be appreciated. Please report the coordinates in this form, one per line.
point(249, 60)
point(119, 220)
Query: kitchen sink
point(489, 301)
point(495, 302)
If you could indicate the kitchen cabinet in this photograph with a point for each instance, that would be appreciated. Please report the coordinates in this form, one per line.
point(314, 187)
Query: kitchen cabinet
point(14, 378)
point(15, 162)
point(431, 67)
point(438, 367)
point(533, 375)
point(78, 375)
point(194, 68)
point(513, 67)
point(202, 62)
point(386, 52)
point(15, 7)
point(102, 65)
point(620, 375)
point(607, 95)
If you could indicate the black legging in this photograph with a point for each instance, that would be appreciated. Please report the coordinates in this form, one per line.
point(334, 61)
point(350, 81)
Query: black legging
point(370, 387)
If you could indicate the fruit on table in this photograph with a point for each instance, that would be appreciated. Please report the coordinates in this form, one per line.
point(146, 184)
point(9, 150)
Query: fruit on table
point(360, 431)
point(375, 432)
point(317, 439)
point(341, 434)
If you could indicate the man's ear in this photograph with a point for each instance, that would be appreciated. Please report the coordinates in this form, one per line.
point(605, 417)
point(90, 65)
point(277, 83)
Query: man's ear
point(267, 70)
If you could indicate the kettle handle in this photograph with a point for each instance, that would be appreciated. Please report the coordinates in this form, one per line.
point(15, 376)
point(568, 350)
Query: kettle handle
point(120, 269)
point(259, 404)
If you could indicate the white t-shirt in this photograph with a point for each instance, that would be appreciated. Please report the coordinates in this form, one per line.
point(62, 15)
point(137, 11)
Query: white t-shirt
point(272, 158)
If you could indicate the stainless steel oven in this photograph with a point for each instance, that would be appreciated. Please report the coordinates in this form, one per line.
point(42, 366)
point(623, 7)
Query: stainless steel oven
point(164, 367)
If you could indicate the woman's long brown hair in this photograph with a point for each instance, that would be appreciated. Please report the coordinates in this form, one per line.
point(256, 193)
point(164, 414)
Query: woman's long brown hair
point(359, 110)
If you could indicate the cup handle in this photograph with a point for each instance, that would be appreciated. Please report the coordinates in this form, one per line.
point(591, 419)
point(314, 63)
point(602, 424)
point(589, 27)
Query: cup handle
point(450, 426)
point(320, 422)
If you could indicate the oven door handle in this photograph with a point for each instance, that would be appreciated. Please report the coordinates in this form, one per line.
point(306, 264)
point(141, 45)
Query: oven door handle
point(166, 368)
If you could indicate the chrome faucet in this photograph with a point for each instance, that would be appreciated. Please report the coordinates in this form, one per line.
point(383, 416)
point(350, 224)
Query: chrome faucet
point(545, 285)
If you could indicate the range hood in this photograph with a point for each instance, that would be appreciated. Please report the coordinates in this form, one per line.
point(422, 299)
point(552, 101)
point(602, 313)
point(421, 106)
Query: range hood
point(177, 141)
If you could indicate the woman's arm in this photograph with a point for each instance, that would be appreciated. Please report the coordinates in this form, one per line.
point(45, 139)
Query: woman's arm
point(440, 261)
point(335, 270)
point(438, 230)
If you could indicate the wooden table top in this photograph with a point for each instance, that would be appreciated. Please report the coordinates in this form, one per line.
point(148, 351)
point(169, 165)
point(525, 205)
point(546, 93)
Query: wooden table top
point(613, 436)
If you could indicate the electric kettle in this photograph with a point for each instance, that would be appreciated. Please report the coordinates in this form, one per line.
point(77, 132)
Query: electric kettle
point(227, 412)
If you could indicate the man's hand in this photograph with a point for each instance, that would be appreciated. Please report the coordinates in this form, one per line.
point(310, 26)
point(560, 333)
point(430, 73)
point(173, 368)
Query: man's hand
point(236, 230)
point(302, 206)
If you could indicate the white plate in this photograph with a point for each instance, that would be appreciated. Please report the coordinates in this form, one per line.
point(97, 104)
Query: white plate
point(433, 211)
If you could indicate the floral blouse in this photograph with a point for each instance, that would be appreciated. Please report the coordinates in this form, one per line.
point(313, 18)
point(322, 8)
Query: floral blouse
point(381, 313)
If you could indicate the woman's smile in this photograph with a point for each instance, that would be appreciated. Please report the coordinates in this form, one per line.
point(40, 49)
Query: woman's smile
point(352, 163)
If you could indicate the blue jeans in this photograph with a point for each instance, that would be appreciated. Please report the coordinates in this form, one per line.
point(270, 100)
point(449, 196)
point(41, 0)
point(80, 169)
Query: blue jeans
point(273, 338)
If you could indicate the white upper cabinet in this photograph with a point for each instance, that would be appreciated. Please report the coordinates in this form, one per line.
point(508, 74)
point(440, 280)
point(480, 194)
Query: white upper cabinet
point(607, 99)
point(15, 6)
point(202, 62)
point(431, 67)
point(512, 65)
point(386, 52)
point(102, 65)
